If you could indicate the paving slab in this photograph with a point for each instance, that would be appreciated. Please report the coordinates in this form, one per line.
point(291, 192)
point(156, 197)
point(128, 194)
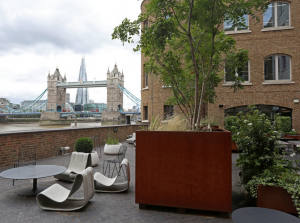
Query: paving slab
point(103, 207)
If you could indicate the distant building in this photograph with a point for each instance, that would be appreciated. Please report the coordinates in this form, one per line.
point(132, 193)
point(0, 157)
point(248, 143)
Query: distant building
point(78, 107)
point(91, 101)
point(13, 106)
point(95, 107)
point(4, 101)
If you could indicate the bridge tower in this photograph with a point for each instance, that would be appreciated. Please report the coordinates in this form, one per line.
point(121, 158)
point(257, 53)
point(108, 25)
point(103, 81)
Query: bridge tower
point(114, 94)
point(56, 95)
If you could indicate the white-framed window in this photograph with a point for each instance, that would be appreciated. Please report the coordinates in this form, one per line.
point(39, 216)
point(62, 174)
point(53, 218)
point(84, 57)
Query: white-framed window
point(243, 73)
point(145, 78)
point(277, 15)
point(228, 25)
point(277, 68)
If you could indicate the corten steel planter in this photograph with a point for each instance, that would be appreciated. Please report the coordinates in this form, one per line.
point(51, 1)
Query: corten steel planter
point(275, 198)
point(234, 146)
point(295, 136)
point(189, 170)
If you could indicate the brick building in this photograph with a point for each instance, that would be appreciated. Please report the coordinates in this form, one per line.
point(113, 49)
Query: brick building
point(271, 76)
point(153, 92)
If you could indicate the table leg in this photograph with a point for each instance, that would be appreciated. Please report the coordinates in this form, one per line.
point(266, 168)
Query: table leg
point(32, 191)
point(34, 185)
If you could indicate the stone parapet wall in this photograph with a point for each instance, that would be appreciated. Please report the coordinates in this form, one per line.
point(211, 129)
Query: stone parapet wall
point(48, 142)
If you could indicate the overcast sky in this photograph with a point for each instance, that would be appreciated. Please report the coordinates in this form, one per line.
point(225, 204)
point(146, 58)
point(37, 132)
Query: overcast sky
point(38, 36)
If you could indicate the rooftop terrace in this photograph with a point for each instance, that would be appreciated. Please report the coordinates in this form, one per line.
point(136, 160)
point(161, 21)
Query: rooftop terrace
point(103, 207)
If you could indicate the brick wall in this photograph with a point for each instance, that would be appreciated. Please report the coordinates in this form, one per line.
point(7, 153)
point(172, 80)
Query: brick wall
point(260, 45)
point(48, 142)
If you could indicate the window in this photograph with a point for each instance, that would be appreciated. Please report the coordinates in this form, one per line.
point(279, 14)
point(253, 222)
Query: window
point(168, 111)
point(277, 15)
point(146, 77)
point(228, 25)
point(242, 73)
point(145, 112)
point(277, 68)
point(146, 25)
point(270, 110)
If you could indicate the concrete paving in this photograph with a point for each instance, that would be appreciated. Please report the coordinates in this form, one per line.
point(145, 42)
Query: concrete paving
point(103, 207)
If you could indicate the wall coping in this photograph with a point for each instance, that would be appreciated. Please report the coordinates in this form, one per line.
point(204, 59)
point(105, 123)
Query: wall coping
point(60, 129)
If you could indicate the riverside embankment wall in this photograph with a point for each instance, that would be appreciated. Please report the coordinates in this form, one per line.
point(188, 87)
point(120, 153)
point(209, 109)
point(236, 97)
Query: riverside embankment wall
point(48, 142)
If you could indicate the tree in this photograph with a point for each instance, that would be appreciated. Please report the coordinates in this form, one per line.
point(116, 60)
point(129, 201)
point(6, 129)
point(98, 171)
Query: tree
point(187, 47)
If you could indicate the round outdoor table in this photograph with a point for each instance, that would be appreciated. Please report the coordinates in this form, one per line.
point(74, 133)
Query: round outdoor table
point(262, 215)
point(32, 172)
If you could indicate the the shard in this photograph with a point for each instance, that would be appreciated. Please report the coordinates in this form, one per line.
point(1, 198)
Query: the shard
point(82, 96)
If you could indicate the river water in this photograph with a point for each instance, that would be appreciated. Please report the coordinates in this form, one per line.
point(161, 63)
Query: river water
point(35, 126)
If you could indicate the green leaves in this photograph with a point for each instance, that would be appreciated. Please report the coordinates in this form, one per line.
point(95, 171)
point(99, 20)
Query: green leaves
point(186, 47)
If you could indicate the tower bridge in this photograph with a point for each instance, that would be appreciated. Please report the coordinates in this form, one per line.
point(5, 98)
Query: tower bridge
point(56, 94)
point(83, 84)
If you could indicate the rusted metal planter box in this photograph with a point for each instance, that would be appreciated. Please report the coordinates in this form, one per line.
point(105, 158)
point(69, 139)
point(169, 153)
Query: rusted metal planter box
point(189, 170)
point(234, 146)
point(275, 198)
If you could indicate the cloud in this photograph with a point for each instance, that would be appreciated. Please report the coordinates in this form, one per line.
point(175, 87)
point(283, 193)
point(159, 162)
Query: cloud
point(80, 26)
point(37, 36)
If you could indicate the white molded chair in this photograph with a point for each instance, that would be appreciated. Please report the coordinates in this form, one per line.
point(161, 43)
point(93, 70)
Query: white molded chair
point(132, 139)
point(78, 162)
point(105, 184)
point(56, 197)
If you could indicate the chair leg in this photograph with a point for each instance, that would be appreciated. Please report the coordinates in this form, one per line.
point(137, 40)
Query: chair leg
point(114, 171)
point(103, 166)
point(100, 150)
point(106, 168)
point(124, 173)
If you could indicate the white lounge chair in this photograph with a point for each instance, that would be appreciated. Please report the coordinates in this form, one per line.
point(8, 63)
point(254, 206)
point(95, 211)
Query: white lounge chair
point(105, 184)
point(56, 197)
point(78, 162)
point(132, 139)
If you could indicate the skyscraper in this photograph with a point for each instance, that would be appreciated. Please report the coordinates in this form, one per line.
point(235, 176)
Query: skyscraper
point(82, 96)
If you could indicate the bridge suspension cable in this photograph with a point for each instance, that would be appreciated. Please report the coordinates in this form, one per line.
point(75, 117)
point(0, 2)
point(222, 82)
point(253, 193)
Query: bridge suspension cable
point(40, 106)
point(30, 106)
point(133, 98)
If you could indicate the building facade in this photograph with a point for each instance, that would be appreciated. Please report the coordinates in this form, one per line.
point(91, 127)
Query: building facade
point(271, 76)
point(56, 95)
point(95, 107)
point(114, 94)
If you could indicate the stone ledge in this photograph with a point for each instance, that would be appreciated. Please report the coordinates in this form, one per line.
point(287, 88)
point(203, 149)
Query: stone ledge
point(60, 129)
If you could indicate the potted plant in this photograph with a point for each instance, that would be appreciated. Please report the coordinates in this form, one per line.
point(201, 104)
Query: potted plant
point(112, 145)
point(277, 188)
point(86, 145)
point(193, 168)
point(258, 138)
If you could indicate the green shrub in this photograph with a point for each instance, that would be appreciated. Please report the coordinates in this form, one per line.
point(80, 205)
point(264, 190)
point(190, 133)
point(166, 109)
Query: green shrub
point(111, 140)
point(84, 145)
point(229, 122)
point(258, 138)
point(284, 123)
